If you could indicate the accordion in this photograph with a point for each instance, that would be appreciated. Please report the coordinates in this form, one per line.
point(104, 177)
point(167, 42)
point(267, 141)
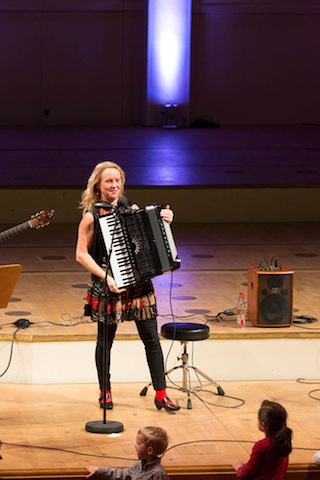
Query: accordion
point(139, 244)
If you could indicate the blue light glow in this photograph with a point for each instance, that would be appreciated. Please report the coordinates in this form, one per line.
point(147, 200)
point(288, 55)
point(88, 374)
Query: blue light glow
point(168, 60)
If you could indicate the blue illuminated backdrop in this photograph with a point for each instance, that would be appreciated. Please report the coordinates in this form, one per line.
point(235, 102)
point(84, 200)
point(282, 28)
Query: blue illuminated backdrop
point(168, 58)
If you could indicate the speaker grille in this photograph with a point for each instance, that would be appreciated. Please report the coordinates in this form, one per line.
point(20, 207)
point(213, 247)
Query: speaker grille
point(275, 309)
point(270, 297)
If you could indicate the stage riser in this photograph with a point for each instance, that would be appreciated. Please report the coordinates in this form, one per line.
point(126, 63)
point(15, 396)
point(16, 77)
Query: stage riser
point(222, 360)
point(194, 204)
point(306, 473)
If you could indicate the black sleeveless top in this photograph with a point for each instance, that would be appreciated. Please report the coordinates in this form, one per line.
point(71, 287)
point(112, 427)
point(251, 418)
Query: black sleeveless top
point(136, 303)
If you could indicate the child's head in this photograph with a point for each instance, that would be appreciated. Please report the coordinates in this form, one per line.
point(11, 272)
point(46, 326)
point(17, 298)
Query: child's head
point(272, 416)
point(316, 458)
point(272, 419)
point(151, 442)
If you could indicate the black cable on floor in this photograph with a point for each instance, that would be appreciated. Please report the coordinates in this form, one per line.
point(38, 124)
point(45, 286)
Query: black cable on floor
point(11, 352)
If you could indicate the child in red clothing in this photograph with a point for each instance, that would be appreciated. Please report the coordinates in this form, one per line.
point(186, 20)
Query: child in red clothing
point(269, 457)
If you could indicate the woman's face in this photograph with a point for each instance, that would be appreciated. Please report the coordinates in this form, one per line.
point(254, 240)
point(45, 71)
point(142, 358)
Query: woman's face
point(110, 185)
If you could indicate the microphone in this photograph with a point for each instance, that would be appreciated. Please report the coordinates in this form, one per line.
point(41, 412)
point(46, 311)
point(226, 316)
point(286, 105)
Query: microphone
point(105, 205)
point(121, 206)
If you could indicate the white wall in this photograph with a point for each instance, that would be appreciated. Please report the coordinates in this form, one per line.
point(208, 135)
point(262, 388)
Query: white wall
point(222, 360)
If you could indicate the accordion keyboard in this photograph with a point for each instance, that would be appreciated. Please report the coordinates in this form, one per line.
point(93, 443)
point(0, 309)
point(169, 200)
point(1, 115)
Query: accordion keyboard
point(139, 244)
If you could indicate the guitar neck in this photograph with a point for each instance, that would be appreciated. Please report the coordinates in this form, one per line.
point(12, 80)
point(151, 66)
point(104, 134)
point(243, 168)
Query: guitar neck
point(14, 230)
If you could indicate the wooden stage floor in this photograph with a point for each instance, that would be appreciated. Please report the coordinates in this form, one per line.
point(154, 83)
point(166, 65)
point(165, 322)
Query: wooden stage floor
point(43, 426)
point(214, 269)
point(152, 156)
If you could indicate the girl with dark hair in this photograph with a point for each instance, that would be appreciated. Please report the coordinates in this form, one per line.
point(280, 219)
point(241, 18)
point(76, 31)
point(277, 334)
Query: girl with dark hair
point(269, 457)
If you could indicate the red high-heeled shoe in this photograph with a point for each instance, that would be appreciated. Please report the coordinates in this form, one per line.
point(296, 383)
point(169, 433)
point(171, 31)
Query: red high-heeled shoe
point(167, 404)
point(106, 398)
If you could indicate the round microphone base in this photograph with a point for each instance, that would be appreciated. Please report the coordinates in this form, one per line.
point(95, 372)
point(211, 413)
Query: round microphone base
point(99, 426)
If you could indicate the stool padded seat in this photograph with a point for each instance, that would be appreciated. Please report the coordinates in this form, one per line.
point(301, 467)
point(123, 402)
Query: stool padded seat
point(184, 331)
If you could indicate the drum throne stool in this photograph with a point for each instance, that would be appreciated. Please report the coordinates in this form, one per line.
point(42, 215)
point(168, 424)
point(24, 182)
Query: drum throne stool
point(186, 332)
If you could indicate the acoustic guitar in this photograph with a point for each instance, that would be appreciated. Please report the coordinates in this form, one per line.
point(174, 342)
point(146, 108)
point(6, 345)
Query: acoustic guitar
point(38, 220)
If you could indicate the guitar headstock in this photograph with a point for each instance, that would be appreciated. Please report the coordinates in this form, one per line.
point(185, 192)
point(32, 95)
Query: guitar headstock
point(42, 218)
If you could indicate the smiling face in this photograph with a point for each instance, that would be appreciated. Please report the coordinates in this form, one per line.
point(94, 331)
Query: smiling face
point(111, 185)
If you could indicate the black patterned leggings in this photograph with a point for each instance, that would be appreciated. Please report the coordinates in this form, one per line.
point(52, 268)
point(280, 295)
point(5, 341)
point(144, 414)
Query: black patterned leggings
point(149, 335)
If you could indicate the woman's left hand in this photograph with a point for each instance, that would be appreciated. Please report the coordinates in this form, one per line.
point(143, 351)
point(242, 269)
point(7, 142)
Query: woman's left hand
point(167, 214)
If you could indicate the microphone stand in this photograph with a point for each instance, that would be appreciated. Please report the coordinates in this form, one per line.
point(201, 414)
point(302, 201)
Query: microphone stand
point(104, 425)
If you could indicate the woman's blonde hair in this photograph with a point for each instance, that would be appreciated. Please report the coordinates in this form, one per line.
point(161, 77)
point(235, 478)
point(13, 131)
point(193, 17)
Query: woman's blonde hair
point(156, 437)
point(92, 193)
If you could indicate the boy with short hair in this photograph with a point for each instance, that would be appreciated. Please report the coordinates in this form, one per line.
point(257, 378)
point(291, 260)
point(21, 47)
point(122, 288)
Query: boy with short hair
point(151, 442)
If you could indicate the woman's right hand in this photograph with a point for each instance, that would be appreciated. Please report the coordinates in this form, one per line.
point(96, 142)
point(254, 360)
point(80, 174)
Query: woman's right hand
point(112, 285)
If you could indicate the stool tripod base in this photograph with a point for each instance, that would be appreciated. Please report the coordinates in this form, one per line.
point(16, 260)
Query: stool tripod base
point(186, 382)
point(187, 332)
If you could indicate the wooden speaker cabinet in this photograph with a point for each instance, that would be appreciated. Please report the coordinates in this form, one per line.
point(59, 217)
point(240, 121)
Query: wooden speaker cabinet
point(270, 297)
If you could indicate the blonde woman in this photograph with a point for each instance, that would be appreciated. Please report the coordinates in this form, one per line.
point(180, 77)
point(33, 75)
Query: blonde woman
point(104, 192)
